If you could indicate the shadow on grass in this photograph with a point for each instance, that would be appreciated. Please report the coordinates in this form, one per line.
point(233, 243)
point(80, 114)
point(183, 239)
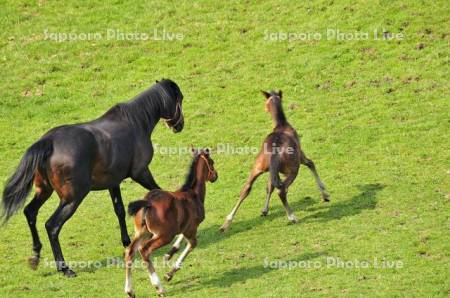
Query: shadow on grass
point(241, 275)
point(366, 200)
point(211, 234)
point(86, 266)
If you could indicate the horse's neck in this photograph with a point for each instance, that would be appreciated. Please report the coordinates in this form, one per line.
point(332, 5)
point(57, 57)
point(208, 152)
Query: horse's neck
point(147, 116)
point(200, 190)
point(152, 119)
point(199, 186)
point(278, 117)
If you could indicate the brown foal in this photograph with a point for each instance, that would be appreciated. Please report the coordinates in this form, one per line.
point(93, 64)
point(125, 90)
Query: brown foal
point(281, 153)
point(162, 215)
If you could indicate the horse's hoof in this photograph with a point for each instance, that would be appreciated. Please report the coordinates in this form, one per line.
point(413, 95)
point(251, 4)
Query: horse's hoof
point(131, 295)
point(326, 197)
point(224, 227)
point(167, 257)
point(168, 277)
point(33, 262)
point(161, 293)
point(126, 242)
point(264, 213)
point(69, 273)
point(293, 219)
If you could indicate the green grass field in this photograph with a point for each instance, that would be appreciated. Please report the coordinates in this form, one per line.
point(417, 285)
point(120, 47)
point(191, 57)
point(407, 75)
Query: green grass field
point(373, 115)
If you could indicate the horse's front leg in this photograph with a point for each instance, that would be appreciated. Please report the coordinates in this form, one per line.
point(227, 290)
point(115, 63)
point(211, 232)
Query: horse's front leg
point(141, 174)
point(145, 178)
point(120, 213)
point(191, 244)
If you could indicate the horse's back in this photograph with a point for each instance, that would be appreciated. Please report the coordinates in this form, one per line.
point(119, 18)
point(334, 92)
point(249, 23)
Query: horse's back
point(72, 143)
point(286, 144)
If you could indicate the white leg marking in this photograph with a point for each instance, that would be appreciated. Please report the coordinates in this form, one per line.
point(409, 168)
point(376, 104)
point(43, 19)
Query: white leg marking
point(128, 287)
point(292, 217)
point(183, 255)
point(178, 241)
point(155, 279)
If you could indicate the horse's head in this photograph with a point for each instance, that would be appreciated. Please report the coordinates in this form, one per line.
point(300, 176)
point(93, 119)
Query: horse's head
point(172, 110)
point(208, 164)
point(273, 99)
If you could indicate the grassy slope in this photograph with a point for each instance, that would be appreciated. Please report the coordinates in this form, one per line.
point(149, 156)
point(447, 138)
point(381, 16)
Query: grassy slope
point(373, 116)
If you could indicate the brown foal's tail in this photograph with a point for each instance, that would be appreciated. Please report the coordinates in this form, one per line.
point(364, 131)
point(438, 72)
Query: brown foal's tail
point(134, 207)
point(19, 184)
point(274, 169)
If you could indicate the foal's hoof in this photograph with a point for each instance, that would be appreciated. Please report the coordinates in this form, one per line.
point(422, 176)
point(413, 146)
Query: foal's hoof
point(293, 219)
point(167, 257)
point(326, 197)
point(168, 277)
point(33, 262)
point(69, 273)
point(131, 294)
point(224, 227)
point(264, 213)
point(161, 293)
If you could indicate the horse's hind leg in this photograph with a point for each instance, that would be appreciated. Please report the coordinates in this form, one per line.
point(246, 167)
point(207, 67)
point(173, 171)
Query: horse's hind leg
point(283, 197)
point(256, 172)
point(310, 164)
point(71, 197)
point(129, 256)
point(43, 192)
point(270, 189)
point(146, 250)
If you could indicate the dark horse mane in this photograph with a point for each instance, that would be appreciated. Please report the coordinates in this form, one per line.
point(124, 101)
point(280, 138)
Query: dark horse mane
point(148, 106)
point(279, 114)
point(190, 177)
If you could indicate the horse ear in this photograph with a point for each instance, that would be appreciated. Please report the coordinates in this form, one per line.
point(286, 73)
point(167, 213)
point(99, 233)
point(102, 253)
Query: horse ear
point(280, 94)
point(156, 81)
point(266, 94)
point(194, 151)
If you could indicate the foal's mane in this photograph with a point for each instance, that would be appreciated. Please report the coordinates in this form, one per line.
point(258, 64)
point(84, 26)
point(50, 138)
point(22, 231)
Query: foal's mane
point(148, 106)
point(190, 177)
point(279, 113)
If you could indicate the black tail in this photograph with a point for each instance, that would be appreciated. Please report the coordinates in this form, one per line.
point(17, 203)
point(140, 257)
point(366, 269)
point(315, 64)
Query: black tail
point(19, 184)
point(274, 169)
point(134, 207)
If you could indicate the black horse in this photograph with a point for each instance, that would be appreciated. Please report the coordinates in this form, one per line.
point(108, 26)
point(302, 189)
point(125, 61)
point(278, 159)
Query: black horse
point(97, 155)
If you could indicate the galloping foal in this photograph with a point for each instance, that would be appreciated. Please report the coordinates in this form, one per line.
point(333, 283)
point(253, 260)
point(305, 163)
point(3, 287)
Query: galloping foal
point(162, 215)
point(281, 153)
